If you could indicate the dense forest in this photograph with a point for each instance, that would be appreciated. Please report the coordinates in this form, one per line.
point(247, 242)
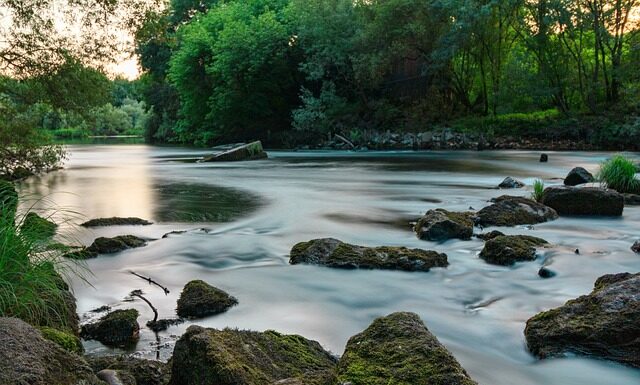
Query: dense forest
point(290, 71)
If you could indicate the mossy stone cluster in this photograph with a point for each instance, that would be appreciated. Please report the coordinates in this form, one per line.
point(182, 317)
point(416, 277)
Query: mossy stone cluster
point(398, 349)
point(235, 357)
point(508, 249)
point(67, 341)
point(335, 253)
point(514, 211)
point(440, 225)
point(118, 328)
point(199, 299)
point(116, 221)
point(604, 323)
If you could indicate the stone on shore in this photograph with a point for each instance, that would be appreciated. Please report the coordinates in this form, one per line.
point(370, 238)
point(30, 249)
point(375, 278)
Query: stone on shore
point(509, 210)
point(506, 250)
point(199, 299)
point(604, 323)
point(440, 225)
point(577, 176)
point(238, 357)
point(118, 328)
point(334, 253)
point(28, 358)
point(116, 221)
point(399, 349)
point(250, 151)
point(579, 201)
point(510, 182)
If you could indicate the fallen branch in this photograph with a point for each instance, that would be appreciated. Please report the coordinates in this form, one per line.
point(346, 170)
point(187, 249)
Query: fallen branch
point(138, 293)
point(151, 282)
point(345, 140)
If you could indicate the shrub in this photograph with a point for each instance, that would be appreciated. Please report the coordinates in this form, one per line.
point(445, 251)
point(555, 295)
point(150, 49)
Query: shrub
point(619, 173)
point(538, 190)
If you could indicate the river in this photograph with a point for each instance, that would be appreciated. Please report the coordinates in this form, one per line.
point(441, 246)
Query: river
point(243, 218)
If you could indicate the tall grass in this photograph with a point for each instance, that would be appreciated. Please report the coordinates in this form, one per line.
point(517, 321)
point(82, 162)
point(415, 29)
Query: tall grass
point(619, 173)
point(31, 287)
point(538, 190)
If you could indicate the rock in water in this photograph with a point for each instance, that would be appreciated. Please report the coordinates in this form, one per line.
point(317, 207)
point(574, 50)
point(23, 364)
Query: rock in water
point(236, 357)
point(399, 349)
point(145, 372)
point(594, 201)
point(546, 273)
point(199, 299)
point(544, 158)
point(334, 253)
point(506, 250)
point(509, 182)
point(251, 151)
point(631, 199)
point(118, 328)
point(605, 323)
point(578, 176)
point(105, 245)
point(636, 247)
point(513, 211)
point(440, 225)
point(116, 221)
point(27, 358)
point(490, 235)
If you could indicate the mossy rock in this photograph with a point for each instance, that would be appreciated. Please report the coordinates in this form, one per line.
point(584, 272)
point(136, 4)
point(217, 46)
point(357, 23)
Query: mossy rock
point(116, 221)
point(237, 357)
point(118, 328)
point(508, 249)
point(199, 299)
point(399, 349)
point(335, 253)
point(603, 324)
point(584, 201)
point(105, 245)
point(145, 372)
point(490, 235)
point(440, 225)
point(514, 211)
point(26, 357)
point(67, 341)
point(38, 228)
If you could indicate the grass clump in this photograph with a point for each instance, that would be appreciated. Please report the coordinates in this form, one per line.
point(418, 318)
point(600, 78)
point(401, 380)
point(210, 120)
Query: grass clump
point(619, 173)
point(538, 190)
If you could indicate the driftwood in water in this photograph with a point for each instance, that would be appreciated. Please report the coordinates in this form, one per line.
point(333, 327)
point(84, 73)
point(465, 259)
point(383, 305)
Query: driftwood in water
point(151, 281)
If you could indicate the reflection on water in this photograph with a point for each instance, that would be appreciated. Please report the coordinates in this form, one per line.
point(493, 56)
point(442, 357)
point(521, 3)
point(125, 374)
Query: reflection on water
point(250, 214)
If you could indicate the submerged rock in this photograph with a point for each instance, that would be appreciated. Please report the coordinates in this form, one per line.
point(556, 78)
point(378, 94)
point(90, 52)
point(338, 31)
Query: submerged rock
point(513, 211)
point(199, 299)
point(490, 235)
point(27, 358)
point(604, 323)
point(544, 158)
point(116, 221)
point(250, 151)
point(506, 250)
point(577, 176)
point(440, 225)
point(399, 349)
point(334, 253)
point(145, 372)
point(594, 201)
point(163, 324)
point(237, 357)
point(118, 328)
point(510, 182)
point(105, 245)
point(546, 273)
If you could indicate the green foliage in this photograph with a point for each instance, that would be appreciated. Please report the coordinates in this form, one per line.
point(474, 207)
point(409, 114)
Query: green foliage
point(65, 340)
point(619, 173)
point(538, 190)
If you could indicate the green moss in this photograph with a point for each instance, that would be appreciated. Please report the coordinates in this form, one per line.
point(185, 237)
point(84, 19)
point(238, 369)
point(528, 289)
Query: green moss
point(509, 249)
point(67, 341)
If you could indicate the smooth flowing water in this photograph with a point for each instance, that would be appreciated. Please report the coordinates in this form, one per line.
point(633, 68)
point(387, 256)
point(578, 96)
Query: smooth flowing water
point(243, 218)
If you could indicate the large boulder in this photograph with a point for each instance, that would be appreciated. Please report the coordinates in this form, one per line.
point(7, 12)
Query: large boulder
point(335, 253)
point(595, 201)
point(506, 250)
point(440, 225)
point(577, 176)
point(510, 182)
point(199, 299)
point(118, 328)
point(237, 357)
point(509, 210)
point(145, 372)
point(116, 221)
point(604, 323)
point(399, 349)
point(26, 358)
point(250, 151)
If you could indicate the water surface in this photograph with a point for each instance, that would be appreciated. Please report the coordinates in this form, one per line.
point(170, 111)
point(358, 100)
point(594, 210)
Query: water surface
point(241, 220)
